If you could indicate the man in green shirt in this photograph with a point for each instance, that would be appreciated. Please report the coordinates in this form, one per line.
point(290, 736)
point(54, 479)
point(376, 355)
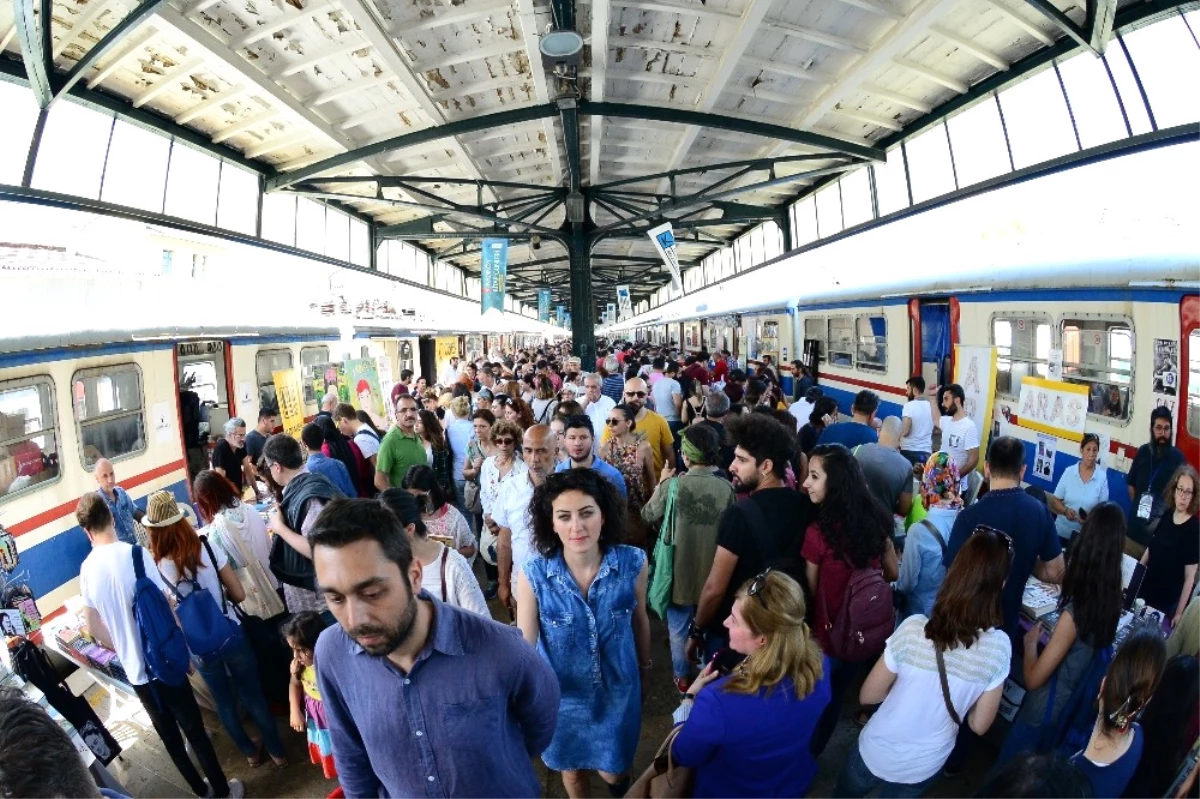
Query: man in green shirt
point(401, 447)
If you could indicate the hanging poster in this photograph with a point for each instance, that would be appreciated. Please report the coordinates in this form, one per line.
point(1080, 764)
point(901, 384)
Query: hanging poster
point(362, 376)
point(543, 305)
point(1052, 406)
point(1055, 368)
point(326, 377)
point(1166, 367)
point(1043, 461)
point(11, 623)
point(290, 394)
point(492, 273)
point(162, 413)
point(664, 242)
point(561, 315)
point(975, 371)
point(383, 367)
point(624, 302)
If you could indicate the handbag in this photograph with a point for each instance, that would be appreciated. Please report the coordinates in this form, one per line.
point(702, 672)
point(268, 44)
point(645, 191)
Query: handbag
point(471, 497)
point(658, 597)
point(261, 598)
point(663, 779)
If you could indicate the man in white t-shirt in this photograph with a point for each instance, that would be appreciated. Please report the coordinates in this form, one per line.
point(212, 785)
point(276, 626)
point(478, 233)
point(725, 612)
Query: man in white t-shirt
point(364, 437)
point(514, 541)
point(106, 583)
point(803, 407)
point(960, 436)
point(595, 404)
point(919, 418)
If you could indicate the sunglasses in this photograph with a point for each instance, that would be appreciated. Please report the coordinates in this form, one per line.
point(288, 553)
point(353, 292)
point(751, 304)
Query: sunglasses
point(1003, 536)
point(635, 393)
point(505, 442)
point(757, 585)
point(613, 422)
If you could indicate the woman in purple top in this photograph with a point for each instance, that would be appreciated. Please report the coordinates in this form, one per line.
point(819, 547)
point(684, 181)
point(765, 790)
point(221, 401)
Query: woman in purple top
point(747, 734)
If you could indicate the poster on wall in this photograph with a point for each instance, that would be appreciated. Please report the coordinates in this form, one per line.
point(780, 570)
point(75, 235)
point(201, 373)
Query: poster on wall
point(1043, 461)
point(1054, 369)
point(1054, 407)
point(1166, 367)
point(289, 392)
point(362, 375)
point(326, 377)
point(383, 367)
point(975, 371)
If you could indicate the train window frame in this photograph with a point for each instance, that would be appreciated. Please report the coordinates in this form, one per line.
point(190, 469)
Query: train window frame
point(1013, 316)
point(853, 339)
point(270, 381)
point(821, 339)
point(139, 412)
point(860, 362)
point(309, 392)
point(51, 411)
point(1112, 321)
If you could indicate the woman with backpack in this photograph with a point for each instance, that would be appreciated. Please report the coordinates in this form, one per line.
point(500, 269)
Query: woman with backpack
point(199, 578)
point(1066, 675)
point(847, 548)
point(936, 674)
point(924, 564)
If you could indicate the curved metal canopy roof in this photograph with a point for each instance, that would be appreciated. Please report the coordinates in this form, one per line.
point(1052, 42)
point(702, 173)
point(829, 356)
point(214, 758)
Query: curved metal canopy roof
point(711, 112)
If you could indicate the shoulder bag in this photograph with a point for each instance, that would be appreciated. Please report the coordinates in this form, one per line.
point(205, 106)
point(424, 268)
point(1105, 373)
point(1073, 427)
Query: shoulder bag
point(662, 575)
point(941, 664)
point(936, 536)
point(261, 599)
point(663, 779)
point(445, 557)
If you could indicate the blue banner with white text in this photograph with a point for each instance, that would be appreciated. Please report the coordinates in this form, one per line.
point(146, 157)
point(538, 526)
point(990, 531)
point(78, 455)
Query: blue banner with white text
point(493, 271)
point(543, 305)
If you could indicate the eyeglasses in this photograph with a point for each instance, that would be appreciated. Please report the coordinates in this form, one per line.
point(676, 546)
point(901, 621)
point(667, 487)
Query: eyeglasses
point(1185, 492)
point(1005, 537)
point(635, 393)
point(757, 585)
point(505, 442)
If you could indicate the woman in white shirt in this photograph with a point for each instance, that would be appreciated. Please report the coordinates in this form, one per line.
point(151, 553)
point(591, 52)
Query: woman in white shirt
point(935, 674)
point(1081, 487)
point(445, 574)
point(224, 514)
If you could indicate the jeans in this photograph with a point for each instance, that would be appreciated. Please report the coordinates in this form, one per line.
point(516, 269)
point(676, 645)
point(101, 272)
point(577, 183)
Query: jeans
point(171, 708)
point(235, 677)
point(858, 780)
point(914, 457)
point(841, 675)
point(679, 621)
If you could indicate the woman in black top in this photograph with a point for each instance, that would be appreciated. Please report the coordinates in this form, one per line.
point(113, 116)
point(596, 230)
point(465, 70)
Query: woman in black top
point(1174, 551)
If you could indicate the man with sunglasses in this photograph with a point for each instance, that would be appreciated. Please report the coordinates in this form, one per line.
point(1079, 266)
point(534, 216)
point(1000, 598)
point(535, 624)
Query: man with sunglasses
point(655, 428)
point(1026, 521)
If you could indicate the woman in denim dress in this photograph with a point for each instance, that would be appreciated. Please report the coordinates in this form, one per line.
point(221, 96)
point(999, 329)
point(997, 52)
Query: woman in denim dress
point(582, 603)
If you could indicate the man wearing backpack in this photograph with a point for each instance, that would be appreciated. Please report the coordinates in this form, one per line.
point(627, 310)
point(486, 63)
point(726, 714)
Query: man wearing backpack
point(137, 626)
point(765, 529)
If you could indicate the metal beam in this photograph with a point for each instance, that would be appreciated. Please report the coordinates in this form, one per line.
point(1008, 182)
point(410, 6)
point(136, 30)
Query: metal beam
point(756, 164)
point(568, 110)
point(527, 17)
point(1101, 15)
point(32, 18)
point(1062, 22)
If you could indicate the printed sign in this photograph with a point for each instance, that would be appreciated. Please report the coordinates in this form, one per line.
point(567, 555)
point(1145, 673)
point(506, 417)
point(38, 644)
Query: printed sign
point(290, 394)
point(561, 315)
point(975, 371)
point(162, 412)
point(624, 302)
point(664, 242)
point(362, 376)
point(1166, 367)
point(492, 273)
point(1043, 461)
point(1054, 369)
point(1054, 407)
point(543, 305)
point(11, 623)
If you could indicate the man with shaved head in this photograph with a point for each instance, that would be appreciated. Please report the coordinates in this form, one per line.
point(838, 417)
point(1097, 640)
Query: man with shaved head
point(889, 474)
point(510, 510)
point(649, 424)
point(119, 504)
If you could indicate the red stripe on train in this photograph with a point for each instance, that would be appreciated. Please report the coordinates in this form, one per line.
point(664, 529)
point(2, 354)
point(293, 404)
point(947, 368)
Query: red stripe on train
point(45, 517)
point(854, 381)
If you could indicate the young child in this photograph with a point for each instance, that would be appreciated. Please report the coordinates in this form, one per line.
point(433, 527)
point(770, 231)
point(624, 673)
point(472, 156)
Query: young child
point(308, 713)
point(1115, 748)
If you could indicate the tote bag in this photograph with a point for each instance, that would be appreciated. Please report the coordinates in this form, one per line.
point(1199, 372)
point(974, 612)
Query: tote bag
point(662, 779)
point(261, 599)
point(661, 579)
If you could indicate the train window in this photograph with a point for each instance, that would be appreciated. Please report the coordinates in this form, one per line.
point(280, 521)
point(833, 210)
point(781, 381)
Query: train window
point(28, 436)
point(1193, 397)
point(310, 357)
point(872, 343)
point(108, 412)
point(266, 363)
point(814, 328)
point(203, 376)
point(1099, 353)
point(841, 341)
point(1022, 350)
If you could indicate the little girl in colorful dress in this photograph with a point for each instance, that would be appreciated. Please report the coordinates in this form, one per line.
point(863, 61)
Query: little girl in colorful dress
point(307, 711)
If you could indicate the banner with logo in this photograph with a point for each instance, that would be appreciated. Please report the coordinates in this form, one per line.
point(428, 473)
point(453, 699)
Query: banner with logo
point(543, 305)
point(493, 272)
point(561, 315)
point(975, 371)
point(664, 242)
point(610, 315)
point(289, 396)
point(624, 302)
point(1054, 407)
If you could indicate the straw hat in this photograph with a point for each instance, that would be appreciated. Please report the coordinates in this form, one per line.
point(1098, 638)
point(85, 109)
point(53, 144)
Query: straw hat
point(161, 510)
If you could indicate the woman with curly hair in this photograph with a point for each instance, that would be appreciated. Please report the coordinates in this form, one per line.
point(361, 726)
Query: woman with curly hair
point(852, 531)
point(582, 603)
point(518, 411)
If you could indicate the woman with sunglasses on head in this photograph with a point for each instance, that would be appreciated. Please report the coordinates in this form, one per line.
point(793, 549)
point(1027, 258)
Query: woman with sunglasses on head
point(1081, 487)
point(630, 454)
point(852, 531)
point(503, 464)
point(1089, 608)
point(582, 603)
point(747, 733)
point(936, 673)
point(1174, 551)
point(517, 410)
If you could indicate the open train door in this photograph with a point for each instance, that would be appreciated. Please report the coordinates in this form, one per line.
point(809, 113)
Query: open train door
point(203, 369)
point(1187, 435)
point(934, 326)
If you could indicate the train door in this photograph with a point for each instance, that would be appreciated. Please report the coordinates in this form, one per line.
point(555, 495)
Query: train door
point(427, 356)
point(1187, 435)
point(203, 364)
point(934, 334)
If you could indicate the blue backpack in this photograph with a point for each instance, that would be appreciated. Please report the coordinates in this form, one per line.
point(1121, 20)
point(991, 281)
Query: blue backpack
point(209, 632)
point(163, 644)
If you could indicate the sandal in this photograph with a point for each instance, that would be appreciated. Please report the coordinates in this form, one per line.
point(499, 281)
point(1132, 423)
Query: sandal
point(255, 760)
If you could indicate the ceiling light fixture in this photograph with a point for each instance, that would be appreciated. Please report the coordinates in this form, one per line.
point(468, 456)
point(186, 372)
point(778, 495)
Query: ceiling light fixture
point(561, 47)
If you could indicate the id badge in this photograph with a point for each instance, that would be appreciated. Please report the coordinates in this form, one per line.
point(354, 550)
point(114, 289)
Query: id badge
point(1144, 505)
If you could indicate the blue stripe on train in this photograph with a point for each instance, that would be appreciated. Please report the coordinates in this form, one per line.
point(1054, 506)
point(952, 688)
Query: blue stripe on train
point(1117, 491)
point(57, 560)
point(845, 398)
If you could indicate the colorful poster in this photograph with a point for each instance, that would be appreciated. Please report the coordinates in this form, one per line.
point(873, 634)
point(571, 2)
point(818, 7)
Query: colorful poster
point(328, 377)
point(493, 271)
point(664, 242)
point(289, 392)
point(975, 371)
point(543, 305)
point(383, 367)
point(561, 315)
point(1054, 407)
point(624, 302)
point(362, 376)
point(1043, 461)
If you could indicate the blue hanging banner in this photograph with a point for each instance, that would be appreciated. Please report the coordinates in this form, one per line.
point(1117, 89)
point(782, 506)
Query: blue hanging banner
point(567, 322)
point(561, 315)
point(543, 305)
point(493, 271)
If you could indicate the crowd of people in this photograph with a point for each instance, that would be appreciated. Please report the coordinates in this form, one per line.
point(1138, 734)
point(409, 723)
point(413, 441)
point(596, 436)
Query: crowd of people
point(791, 553)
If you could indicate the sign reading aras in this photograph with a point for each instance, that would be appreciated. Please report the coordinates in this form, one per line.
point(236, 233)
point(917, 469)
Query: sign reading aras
point(1052, 406)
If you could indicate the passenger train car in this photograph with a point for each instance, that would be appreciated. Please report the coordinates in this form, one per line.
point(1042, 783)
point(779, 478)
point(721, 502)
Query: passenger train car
point(66, 400)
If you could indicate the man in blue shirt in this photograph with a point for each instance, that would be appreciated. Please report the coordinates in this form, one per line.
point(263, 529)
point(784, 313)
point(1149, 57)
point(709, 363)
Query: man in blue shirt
point(422, 698)
point(331, 469)
point(1007, 508)
point(578, 436)
point(1152, 468)
point(861, 429)
point(123, 510)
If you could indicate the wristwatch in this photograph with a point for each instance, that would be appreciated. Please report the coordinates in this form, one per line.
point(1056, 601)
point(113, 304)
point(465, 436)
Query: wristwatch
point(695, 633)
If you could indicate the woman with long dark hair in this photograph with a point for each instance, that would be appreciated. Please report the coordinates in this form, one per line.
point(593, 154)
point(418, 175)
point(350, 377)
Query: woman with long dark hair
point(1173, 553)
point(444, 521)
point(1089, 608)
point(1169, 724)
point(907, 742)
point(340, 448)
point(852, 531)
point(437, 450)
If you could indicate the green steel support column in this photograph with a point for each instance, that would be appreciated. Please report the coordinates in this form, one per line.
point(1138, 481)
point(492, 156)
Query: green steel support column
point(785, 226)
point(583, 332)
